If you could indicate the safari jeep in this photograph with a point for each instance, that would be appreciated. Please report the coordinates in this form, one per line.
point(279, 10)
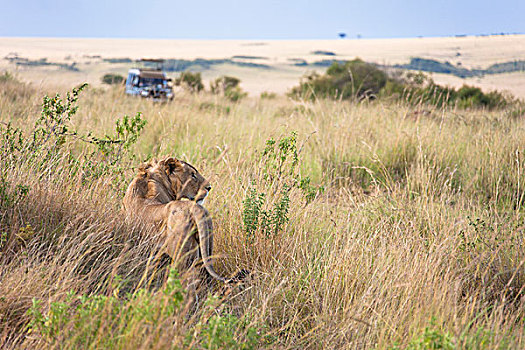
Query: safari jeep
point(149, 83)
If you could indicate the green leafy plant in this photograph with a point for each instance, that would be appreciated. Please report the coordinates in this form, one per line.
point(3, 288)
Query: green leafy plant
point(219, 329)
point(53, 129)
point(113, 147)
point(82, 318)
point(252, 206)
point(269, 221)
point(219, 333)
point(279, 164)
point(10, 198)
point(54, 122)
point(11, 140)
point(432, 338)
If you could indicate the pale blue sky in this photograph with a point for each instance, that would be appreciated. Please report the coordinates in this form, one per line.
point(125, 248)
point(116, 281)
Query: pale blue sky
point(233, 19)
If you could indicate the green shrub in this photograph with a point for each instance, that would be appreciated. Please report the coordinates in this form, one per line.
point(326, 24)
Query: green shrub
point(112, 79)
point(190, 81)
point(223, 330)
point(432, 94)
point(221, 84)
point(470, 96)
point(268, 95)
point(352, 80)
point(432, 338)
point(228, 87)
point(235, 94)
point(41, 62)
point(110, 154)
point(269, 213)
point(269, 221)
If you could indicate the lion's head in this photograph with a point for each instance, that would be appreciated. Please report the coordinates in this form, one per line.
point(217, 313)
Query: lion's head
point(172, 179)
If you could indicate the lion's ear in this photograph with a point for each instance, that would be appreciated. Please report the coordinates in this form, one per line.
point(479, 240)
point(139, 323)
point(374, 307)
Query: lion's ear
point(171, 164)
point(143, 168)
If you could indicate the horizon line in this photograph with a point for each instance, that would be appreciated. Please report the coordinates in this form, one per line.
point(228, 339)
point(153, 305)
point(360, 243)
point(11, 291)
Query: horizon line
point(484, 35)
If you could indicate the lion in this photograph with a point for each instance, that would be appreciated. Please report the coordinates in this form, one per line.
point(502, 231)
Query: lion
point(157, 194)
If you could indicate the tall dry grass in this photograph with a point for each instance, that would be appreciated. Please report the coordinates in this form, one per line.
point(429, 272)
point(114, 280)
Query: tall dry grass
point(416, 242)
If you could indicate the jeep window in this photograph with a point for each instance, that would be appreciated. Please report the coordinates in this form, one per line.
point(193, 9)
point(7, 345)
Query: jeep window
point(129, 81)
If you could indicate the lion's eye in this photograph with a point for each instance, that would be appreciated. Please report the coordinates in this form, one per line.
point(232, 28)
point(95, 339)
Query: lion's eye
point(194, 176)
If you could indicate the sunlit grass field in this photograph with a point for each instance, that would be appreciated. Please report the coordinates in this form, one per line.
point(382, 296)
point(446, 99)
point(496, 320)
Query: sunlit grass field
point(413, 238)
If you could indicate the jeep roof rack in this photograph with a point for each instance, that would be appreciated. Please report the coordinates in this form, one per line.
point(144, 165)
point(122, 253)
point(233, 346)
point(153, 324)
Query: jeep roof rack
point(156, 61)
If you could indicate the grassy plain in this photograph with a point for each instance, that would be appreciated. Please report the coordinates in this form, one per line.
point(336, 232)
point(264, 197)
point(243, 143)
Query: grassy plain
point(471, 52)
point(417, 241)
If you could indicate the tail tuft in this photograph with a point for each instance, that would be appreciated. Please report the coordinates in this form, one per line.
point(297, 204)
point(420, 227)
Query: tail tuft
point(240, 276)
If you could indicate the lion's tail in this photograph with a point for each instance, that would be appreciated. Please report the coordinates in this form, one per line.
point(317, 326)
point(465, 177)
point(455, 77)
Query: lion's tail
point(205, 230)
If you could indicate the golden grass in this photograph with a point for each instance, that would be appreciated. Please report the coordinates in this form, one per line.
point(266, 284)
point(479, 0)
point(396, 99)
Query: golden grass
point(418, 237)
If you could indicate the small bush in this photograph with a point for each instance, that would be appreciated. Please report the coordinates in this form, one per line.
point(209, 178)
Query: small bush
point(432, 338)
point(268, 95)
point(279, 164)
point(221, 84)
point(235, 94)
point(228, 87)
point(112, 79)
point(190, 81)
point(110, 154)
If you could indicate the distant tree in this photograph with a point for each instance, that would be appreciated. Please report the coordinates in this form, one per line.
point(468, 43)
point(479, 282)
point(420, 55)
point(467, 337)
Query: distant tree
point(342, 35)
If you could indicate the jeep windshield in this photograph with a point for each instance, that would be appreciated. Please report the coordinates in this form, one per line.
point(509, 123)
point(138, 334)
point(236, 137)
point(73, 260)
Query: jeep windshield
point(151, 81)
